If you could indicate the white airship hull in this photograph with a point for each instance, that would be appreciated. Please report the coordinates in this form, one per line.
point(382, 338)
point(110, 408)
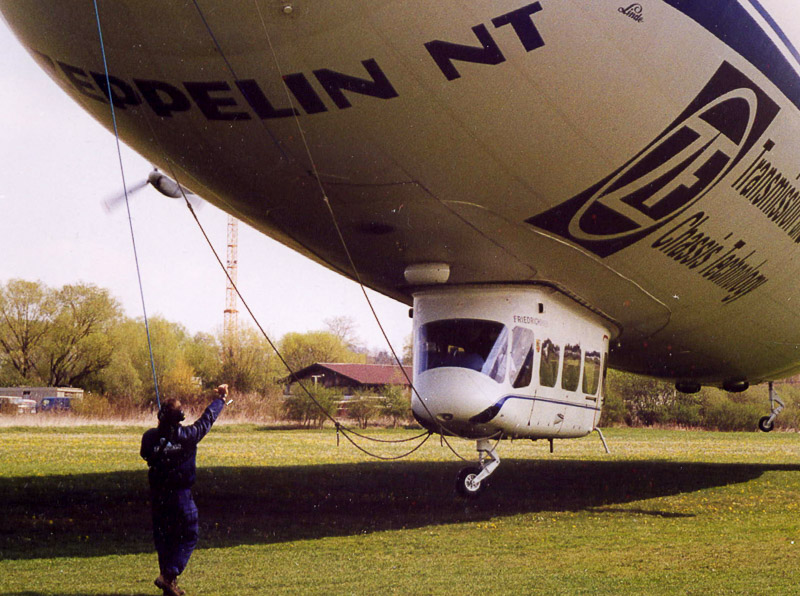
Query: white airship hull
point(639, 158)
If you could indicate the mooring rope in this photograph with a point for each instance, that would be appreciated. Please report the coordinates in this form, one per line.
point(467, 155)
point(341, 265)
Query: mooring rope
point(340, 428)
point(443, 430)
point(127, 205)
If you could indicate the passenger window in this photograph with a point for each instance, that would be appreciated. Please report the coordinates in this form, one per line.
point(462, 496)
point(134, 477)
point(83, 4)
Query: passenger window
point(591, 372)
point(521, 368)
point(572, 367)
point(495, 365)
point(548, 365)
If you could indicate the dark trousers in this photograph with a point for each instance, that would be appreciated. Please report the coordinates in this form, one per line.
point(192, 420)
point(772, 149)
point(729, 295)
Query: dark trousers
point(175, 529)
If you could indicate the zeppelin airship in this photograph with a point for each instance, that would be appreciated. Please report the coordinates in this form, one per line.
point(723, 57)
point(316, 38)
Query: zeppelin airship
point(554, 187)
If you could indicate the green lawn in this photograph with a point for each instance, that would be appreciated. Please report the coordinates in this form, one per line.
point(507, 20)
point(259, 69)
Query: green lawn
point(289, 512)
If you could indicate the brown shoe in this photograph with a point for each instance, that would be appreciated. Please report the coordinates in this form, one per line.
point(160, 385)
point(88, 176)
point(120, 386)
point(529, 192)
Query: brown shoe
point(169, 586)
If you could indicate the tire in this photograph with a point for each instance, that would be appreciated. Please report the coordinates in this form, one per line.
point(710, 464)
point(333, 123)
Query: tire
point(764, 425)
point(465, 485)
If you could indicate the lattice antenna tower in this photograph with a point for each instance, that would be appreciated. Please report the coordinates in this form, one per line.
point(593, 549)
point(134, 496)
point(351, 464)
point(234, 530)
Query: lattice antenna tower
point(231, 321)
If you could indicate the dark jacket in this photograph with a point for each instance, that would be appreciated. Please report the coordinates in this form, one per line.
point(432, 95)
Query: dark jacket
point(170, 451)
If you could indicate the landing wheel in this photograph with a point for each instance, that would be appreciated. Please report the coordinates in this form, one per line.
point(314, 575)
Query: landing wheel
point(466, 485)
point(766, 424)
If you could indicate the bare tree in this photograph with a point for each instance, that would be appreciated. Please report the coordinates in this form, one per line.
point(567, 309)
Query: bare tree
point(303, 349)
point(344, 327)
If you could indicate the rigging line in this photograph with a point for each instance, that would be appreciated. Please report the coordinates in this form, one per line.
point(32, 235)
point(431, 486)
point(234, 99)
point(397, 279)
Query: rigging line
point(318, 179)
point(127, 204)
point(252, 314)
point(315, 172)
point(339, 427)
point(388, 458)
point(235, 77)
point(441, 426)
point(376, 440)
point(295, 112)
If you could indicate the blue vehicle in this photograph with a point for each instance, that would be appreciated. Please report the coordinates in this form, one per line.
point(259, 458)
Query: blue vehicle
point(52, 404)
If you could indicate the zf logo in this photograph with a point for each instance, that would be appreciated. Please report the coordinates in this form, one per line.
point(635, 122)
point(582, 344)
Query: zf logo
point(675, 171)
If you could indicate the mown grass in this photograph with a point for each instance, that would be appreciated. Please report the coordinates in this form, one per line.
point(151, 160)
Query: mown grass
point(288, 512)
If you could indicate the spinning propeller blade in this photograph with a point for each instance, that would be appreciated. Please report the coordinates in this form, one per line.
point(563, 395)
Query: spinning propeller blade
point(162, 183)
point(115, 201)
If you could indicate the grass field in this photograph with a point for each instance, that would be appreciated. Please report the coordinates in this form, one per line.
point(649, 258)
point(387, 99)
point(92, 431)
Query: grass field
point(289, 512)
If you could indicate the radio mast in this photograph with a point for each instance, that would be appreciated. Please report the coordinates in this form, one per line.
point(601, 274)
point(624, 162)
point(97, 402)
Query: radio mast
point(231, 320)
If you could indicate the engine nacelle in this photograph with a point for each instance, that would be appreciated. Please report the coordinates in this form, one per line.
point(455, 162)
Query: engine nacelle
point(524, 361)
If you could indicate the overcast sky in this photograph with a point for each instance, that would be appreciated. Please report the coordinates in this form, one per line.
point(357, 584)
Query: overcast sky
point(56, 167)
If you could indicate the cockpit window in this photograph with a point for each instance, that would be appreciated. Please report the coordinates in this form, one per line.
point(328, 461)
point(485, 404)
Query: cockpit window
point(521, 361)
point(476, 344)
point(572, 367)
point(591, 372)
point(548, 365)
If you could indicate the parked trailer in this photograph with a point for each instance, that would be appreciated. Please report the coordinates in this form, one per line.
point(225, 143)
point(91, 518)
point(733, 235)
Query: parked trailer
point(23, 406)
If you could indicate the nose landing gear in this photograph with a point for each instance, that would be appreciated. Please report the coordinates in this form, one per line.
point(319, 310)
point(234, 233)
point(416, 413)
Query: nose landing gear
point(766, 422)
point(471, 480)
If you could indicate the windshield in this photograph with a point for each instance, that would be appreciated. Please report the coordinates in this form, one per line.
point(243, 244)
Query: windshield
point(465, 343)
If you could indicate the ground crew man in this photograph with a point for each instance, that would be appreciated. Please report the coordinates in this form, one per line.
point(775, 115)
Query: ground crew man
point(170, 451)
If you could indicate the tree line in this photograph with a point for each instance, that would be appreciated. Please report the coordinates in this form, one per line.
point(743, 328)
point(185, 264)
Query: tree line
point(632, 400)
point(79, 336)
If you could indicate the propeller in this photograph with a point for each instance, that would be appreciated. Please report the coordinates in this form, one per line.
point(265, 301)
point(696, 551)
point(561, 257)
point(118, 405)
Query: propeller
point(162, 183)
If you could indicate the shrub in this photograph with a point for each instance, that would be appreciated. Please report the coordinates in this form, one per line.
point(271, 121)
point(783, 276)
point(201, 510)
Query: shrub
point(258, 406)
point(646, 400)
point(639, 401)
point(685, 413)
point(613, 411)
point(723, 414)
point(302, 408)
point(364, 407)
point(7, 408)
point(97, 406)
point(397, 404)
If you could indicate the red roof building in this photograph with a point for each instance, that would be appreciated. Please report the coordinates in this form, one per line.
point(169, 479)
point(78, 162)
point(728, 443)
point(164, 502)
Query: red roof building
point(351, 376)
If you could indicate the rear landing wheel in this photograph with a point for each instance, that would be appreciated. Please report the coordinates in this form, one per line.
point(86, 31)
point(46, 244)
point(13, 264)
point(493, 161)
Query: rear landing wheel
point(767, 423)
point(466, 485)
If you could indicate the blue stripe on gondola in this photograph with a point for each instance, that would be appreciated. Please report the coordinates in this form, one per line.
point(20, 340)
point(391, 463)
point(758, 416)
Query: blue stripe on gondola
point(492, 411)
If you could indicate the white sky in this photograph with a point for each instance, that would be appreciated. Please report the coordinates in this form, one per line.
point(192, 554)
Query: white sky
point(56, 167)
